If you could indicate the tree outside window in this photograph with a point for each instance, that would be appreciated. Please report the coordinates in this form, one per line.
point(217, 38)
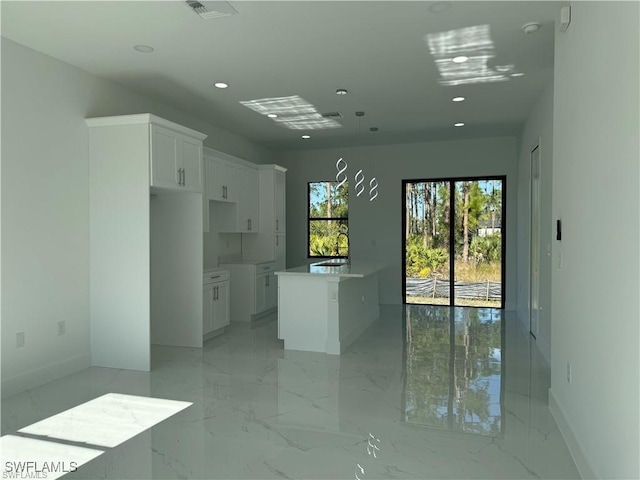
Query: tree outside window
point(328, 217)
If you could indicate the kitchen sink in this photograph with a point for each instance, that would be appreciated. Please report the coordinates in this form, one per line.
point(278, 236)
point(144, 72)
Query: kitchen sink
point(330, 263)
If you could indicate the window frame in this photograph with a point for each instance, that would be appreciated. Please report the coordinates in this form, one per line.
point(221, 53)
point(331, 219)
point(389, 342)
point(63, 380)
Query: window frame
point(310, 219)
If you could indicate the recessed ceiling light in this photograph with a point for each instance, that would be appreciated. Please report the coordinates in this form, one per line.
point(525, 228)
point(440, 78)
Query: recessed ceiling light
point(272, 115)
point(517, 74)
point(458, 99)
point(439, 7)
point(143, 48)
point(459, 124)
point(531, 27)
point(460, 59)
point(341, 91)
point(306, 137)
point(220, 85)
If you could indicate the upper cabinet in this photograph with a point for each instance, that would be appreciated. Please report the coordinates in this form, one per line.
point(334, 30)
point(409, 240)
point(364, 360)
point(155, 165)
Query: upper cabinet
point(231, 193)
point(221, 183)
point(173, 153)
point(176, 160)
point(279, 194)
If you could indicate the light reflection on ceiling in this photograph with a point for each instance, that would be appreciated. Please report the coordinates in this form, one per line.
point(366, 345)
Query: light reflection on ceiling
point(292, 112)
point(472, 42)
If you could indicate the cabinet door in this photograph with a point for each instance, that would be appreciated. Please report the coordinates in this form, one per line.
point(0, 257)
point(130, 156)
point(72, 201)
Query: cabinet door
point(164, 158)
point(261, 293)
point(191, 163)
point(217, 179)
point(281, 251)
point(280, 201)
point(272, 291)
point(207, 309)
point(246, 182)
point(251, 199)
point(221, 306)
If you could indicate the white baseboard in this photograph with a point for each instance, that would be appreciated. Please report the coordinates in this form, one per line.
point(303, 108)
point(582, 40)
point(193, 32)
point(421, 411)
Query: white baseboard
point(573, 443)
point(46, 374)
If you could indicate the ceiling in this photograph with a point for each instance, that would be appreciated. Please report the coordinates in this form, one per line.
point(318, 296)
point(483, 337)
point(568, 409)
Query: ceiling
point(393, 57)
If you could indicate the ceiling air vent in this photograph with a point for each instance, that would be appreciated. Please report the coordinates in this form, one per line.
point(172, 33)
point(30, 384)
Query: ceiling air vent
point(211, 9)
point(332, 115)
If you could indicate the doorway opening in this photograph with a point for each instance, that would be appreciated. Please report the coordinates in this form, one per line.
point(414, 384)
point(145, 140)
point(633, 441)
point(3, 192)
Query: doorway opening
point(453, 248)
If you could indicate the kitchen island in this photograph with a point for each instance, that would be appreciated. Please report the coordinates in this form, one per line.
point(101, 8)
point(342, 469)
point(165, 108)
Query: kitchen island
point(325, 306)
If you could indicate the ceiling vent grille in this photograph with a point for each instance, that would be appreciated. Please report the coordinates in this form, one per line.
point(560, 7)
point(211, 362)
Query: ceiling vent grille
point(332, 115)
point(211, 9)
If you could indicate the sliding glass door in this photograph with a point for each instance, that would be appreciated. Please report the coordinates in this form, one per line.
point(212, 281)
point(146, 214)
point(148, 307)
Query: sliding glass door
point(453, 241)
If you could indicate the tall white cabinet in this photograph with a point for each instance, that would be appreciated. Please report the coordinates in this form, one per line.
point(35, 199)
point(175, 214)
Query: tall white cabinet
point(270, 242)
point(145, 207)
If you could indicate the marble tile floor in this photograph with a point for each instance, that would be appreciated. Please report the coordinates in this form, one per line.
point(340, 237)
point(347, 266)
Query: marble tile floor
point(425, 393)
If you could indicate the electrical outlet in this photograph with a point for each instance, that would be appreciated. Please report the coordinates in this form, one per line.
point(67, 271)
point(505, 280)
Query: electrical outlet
point(334, 296)
point(568, 372)
point(61, 327)
point(20, 339)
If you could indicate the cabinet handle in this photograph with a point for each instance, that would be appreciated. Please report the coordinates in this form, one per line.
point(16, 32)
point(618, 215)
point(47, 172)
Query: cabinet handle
point(277, 240)
point(184, 177)
point(215, 289)
point(216, 276)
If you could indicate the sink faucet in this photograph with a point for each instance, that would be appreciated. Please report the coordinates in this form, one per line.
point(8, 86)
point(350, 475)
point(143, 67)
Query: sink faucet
point(338, 246)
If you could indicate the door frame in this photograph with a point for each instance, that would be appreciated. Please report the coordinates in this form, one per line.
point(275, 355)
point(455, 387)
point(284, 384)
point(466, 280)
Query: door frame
point(452, 181)
point(535, 171)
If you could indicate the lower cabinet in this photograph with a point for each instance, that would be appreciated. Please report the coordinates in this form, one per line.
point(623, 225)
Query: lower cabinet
point(255, 290)
point(266, 292)
point(216, 298)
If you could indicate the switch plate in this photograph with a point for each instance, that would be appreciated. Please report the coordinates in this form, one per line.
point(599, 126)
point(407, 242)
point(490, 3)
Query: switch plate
point(20, 339)
point(62, 328)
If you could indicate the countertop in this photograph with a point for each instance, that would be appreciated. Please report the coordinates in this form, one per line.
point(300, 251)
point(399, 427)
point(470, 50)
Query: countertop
point(353, 270)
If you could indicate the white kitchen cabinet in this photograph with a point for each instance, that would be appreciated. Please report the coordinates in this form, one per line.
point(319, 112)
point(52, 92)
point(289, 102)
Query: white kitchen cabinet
point(247, 215)
point(216, 302)
point(270, 242)
point(175, 159)
point(280, 199)
point(145, 255)
point(222, 180)
point(233, 191)
point(266, 292)
point(254, 290)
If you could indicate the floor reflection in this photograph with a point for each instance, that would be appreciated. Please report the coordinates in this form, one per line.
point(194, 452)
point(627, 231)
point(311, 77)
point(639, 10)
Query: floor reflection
point(454, 369)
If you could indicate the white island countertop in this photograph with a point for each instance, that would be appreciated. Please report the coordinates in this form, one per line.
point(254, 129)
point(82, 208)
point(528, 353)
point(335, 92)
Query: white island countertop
point(340, 269)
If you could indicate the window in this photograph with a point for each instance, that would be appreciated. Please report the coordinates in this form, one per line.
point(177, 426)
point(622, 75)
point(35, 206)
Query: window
point(328, 216)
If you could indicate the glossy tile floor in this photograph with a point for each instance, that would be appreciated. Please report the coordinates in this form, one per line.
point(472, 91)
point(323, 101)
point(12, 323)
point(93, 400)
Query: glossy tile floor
point(448, 393)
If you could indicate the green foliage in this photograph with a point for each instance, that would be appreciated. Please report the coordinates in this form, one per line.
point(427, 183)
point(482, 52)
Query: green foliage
point(328, 238)
point(326, 200)
point(422, 261)
point(486, 249)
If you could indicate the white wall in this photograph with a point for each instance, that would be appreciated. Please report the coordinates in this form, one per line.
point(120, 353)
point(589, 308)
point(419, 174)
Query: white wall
point(380, 221)
point(596, 179)
point(45, 213)
point(538, 130)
